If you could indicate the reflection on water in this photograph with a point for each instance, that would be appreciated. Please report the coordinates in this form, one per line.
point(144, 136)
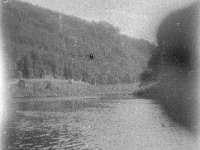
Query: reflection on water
point(92, 124)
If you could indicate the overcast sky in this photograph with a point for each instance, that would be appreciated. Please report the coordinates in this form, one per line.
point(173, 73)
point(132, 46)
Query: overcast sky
point(136, 18)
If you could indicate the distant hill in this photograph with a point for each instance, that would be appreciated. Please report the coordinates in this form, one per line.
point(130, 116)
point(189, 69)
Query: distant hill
point(39, 41)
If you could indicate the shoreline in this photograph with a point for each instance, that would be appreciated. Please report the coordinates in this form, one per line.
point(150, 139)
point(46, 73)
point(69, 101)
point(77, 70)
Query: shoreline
point(74, 98)
point(58, 89)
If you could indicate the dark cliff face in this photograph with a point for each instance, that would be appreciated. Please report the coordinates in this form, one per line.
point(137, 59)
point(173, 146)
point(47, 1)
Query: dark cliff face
point(177, 66)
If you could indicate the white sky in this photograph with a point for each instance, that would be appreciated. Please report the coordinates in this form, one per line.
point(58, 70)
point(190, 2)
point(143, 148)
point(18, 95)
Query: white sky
point(136, 18)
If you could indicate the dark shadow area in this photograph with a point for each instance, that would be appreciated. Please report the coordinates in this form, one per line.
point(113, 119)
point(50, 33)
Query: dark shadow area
point(175, 65)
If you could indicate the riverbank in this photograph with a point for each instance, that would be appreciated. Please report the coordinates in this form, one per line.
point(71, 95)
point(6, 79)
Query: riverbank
point(56, 88)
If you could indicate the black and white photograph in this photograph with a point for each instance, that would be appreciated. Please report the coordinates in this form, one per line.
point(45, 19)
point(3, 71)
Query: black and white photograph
point(99, 74)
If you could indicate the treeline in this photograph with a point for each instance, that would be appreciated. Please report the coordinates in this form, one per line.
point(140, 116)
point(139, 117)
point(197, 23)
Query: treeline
point(41, 42)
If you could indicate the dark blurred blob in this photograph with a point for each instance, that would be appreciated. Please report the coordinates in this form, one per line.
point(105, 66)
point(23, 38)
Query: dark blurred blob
point(175, 64)
point(177, 69)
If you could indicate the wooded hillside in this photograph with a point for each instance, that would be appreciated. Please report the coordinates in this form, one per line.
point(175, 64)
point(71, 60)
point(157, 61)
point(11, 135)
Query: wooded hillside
point(41, 42)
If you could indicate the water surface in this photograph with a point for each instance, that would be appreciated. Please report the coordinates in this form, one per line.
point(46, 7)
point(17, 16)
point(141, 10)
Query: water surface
point(93, 124)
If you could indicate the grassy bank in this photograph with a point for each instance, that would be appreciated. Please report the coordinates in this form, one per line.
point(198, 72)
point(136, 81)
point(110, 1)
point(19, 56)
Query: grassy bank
point(41, 88)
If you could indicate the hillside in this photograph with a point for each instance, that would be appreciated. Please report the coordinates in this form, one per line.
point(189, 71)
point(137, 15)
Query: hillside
point(41, 42)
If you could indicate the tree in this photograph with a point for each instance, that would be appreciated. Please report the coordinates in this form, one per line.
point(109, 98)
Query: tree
point(49, 60)
point(39, 71)
point(67, 73)
point(92, 81)
point(111, 79)
point(127, 78)
point(34, 57)
point(20, 65)
point(146, 76)
point(47, 70)
point(76, 75)
point(85, 76)
point(100, 79)
point(25, 71)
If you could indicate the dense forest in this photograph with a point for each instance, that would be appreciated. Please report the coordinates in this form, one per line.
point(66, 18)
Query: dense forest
point(41, 42)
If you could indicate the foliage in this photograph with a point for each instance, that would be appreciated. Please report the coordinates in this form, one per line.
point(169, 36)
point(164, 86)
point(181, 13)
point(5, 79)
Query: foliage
point(25, 71)
point(146, 76)
point(67, 73)
point(35, 32)
point(127, 78)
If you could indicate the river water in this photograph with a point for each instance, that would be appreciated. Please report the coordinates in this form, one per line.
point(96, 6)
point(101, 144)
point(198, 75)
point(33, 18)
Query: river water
point(93, 124)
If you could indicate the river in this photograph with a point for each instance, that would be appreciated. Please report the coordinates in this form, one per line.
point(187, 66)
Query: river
point(93, 124)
